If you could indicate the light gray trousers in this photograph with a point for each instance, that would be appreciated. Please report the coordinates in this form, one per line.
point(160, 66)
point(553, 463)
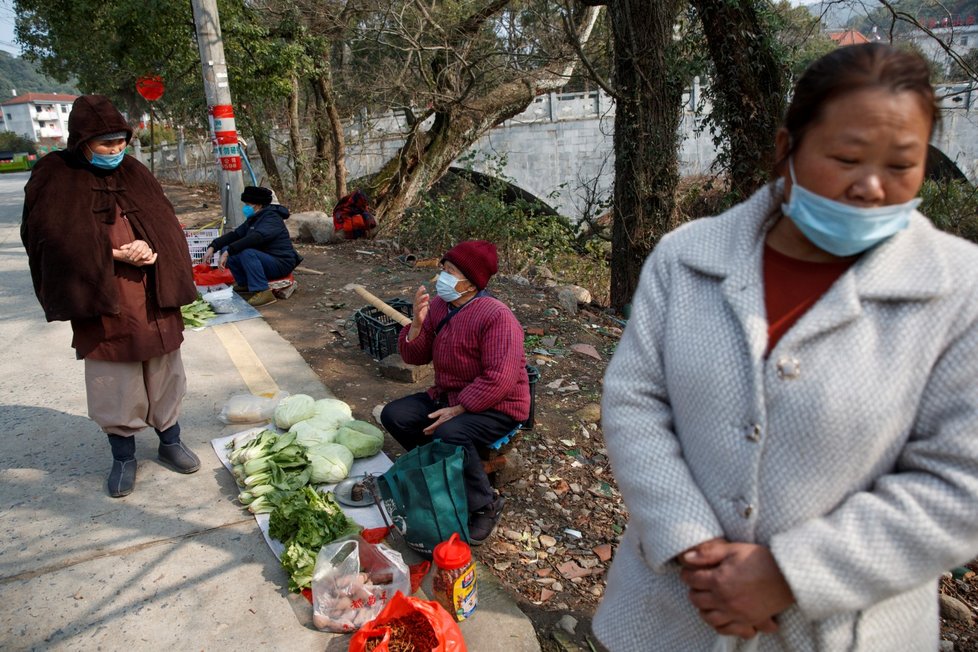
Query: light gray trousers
point(125, 397)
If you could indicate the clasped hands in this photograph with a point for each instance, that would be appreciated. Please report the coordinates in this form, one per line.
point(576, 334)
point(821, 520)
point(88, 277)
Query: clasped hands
point(137, 253)
point(737, 588)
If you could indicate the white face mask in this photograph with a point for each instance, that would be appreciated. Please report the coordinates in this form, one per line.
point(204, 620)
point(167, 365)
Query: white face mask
point(841, 229)
point(445, 287)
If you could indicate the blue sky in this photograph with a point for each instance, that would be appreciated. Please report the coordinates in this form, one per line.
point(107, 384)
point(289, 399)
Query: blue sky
point(7, 27)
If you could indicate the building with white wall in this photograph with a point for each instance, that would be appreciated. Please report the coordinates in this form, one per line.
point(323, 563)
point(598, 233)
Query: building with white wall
point(960, 33)
point(40, 117)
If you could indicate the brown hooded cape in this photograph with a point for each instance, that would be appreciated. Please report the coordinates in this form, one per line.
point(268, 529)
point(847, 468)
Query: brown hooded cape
point(71, 205)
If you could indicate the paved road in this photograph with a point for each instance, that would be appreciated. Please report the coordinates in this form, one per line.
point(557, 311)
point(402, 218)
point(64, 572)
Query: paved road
point(176, 565)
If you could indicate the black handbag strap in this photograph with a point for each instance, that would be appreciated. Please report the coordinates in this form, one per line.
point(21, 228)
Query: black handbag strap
point(454, 311)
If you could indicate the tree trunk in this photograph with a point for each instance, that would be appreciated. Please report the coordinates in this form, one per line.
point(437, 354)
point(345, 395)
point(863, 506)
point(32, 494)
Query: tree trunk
point(295, 137)
point(339, 145)
point(334, 130)
point(647, 114)
point(427, 155)
point(256, 128)
point(322, 162)
point(749, 91)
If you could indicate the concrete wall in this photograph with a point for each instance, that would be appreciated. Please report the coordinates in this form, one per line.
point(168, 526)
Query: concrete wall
point(19, 118)
point(561, 149)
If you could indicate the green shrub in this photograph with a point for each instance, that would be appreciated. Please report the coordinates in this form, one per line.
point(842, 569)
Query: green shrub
point(161, 134)
point(456, 210)
point(11, 142)
point(952, 206)
point(521, 236)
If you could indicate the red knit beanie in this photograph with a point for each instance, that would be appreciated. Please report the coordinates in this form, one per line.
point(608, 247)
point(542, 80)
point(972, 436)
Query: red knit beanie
point(476, 259)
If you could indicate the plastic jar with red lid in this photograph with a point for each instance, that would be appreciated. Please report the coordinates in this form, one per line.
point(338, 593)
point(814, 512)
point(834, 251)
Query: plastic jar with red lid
point(454, 582)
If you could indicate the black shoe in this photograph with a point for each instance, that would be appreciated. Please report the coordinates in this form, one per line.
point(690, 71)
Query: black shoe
point(178, 457)
point(483, 522)
point(122, 478)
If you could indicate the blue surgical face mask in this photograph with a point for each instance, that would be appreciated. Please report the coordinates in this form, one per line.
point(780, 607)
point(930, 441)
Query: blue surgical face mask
point(107, 161)
point(248, 210)
point(841, 229)
point(445, 287)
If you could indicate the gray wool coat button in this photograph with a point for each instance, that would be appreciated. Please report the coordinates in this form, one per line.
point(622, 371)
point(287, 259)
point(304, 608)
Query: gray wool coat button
point(748, 511)
point(788, 368)
point(754, 434)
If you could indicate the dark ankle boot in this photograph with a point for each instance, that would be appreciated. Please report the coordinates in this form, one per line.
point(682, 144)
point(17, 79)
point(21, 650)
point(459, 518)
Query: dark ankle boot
point(122, 476)
point(174, 453)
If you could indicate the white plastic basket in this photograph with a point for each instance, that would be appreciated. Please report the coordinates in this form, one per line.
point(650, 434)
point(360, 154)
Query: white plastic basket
point(197, 241)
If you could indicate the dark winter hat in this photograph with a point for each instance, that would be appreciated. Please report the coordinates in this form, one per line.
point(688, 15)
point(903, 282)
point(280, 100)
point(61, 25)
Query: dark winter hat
point(476, 259)
point(256, 195)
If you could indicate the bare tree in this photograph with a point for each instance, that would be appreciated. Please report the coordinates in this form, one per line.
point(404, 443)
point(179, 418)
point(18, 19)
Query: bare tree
point(469, 85)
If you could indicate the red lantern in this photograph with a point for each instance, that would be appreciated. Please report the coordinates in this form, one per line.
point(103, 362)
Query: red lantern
point(150, 87)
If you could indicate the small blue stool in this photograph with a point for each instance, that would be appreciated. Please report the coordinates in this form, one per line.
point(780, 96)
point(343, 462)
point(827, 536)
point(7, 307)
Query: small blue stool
point(493, 461)
point(502, 441)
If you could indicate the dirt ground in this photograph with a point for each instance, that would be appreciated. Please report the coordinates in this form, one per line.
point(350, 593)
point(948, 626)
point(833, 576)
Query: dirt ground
point(564, 514)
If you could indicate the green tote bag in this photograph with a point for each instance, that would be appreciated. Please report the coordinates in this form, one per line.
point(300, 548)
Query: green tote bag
point(424, 494)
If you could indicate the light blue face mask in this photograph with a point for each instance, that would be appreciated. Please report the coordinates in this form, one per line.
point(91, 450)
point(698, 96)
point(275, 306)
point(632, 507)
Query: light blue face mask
point(248, 210)
point(107, 161)
point(841, 229)
point(445, 287)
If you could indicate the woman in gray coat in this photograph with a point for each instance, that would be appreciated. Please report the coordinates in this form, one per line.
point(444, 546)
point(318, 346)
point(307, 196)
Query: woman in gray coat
point(792, 413)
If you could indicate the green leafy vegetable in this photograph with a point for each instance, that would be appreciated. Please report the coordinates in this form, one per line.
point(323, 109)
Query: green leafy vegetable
point(266, 463)
point(329, 463)
point(332, 412)
point(313, 432)
point(197, 313)
point(305, 520)
point(362, 438)
point(293, 409)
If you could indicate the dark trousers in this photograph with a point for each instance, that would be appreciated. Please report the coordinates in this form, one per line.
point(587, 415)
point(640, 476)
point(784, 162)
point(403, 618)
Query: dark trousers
point(406, 418)
point(253, 269)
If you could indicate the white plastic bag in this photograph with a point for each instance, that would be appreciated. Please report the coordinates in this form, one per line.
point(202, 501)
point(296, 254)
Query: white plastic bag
point(248, 408)
point(353, 581)
point(221, 301)
point(218, 295)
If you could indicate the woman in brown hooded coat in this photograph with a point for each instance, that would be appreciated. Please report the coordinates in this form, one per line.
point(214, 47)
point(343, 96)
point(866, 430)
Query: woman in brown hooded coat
point(107, 253)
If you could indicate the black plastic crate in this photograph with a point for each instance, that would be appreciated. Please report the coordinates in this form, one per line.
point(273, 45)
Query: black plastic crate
point(378, 332)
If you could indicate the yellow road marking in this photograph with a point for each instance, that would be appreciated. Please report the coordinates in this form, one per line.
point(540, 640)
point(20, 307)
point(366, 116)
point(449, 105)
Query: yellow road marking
point(252, 371)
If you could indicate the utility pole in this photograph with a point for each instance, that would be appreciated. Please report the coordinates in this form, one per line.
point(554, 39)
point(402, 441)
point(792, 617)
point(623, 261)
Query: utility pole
point(217, 90)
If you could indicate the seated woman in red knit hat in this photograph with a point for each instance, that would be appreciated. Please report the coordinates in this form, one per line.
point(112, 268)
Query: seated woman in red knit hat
point(481, 390)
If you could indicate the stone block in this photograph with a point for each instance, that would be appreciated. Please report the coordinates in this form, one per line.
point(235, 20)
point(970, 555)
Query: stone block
point(395, 368)
point(315, 226)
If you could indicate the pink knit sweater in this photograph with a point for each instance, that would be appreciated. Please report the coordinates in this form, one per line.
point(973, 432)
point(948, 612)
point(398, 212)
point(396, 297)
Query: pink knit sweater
point(478, 357)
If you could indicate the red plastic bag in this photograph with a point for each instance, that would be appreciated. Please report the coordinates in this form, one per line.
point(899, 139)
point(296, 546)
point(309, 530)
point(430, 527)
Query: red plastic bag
point(375, 534)
point(418, 571)
point(205, 275)
point(433, 628)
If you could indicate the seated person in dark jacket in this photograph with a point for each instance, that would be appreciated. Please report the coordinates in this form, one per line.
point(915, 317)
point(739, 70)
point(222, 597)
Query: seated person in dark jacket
point(258, 250)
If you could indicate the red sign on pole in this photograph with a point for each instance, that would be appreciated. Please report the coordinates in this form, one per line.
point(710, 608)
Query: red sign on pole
point(225, 136)
point(150, 87)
